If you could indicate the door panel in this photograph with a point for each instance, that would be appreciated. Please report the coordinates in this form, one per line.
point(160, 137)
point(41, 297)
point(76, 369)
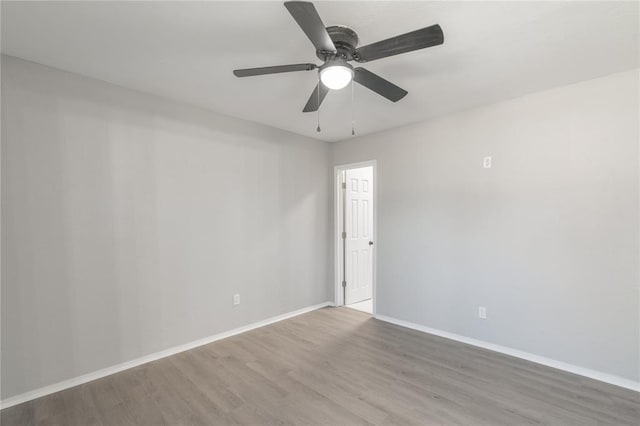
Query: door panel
point(359, 229)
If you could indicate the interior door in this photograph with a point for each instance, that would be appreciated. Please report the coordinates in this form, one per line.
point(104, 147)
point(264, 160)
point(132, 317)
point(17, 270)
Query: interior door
point(359, 234)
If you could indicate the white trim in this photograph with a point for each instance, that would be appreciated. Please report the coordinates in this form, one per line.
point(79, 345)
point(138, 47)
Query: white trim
point(56, 387)
point(586, 372)
point(337, 231)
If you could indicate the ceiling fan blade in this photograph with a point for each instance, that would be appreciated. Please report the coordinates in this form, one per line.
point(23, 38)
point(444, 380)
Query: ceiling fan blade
point(316, 98)
point(308, 19)
point(248, 72)
point(415, 40)
point(378, 84)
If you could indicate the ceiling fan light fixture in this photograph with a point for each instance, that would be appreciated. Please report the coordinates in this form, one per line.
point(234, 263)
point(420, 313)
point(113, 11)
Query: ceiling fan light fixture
point(336, 77)
point(336, 46)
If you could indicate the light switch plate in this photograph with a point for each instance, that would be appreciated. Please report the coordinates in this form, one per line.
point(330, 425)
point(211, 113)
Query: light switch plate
point(482, 312)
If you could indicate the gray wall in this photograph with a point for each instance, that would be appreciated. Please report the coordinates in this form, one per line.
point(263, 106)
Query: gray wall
point(128, 222)
point(547, 239)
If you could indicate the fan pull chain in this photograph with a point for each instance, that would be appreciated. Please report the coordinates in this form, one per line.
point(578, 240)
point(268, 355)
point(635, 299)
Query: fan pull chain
point(353, 119)
point(318, 91)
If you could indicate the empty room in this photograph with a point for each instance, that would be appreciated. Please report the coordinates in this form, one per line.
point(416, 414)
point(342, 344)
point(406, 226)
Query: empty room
point(327, 212)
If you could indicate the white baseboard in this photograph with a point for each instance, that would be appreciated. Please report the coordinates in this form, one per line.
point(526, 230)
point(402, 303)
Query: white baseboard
point(56, 387)
point(586, 372)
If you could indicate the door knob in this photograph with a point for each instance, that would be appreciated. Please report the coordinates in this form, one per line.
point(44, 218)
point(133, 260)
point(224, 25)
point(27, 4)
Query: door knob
point(370, 243)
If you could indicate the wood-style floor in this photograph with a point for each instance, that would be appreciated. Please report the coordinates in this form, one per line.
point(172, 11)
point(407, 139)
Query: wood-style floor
point(334, 366)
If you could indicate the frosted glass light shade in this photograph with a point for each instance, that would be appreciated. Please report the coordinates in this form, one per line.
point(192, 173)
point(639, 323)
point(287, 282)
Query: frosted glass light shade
point(336, 77)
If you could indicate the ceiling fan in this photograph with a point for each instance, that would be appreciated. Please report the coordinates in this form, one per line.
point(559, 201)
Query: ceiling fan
point(337, 45)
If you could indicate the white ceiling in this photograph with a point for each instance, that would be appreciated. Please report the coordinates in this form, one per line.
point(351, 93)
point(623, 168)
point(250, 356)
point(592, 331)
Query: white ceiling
point(187, 50)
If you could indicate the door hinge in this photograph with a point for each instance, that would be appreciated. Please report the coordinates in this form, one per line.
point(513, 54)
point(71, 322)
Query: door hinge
point(344, 185)
point(344, 235)
point(344, 283)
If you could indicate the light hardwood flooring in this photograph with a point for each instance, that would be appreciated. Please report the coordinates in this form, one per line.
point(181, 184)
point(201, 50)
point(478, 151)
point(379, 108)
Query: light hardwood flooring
point(334, 366)
point(364, 306)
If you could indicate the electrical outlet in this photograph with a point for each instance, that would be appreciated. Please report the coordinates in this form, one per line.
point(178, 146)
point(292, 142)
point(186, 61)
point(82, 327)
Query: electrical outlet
point(236, 299)
point(486, 162)
point(482, 312)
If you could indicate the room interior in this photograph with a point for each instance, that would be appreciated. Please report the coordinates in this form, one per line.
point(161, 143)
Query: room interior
point(431, 217)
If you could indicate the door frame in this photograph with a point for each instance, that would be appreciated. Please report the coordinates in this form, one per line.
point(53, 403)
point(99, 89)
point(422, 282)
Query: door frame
point(337, 232)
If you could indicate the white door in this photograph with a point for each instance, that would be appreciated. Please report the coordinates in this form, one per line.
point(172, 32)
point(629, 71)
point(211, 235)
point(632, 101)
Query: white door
point(359, 234)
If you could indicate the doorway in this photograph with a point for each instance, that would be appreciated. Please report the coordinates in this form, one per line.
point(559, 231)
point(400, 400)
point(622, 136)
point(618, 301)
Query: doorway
point(355, 201)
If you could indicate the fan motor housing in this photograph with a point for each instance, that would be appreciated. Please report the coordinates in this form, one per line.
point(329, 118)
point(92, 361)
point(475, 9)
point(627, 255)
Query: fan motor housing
point(345, 39)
